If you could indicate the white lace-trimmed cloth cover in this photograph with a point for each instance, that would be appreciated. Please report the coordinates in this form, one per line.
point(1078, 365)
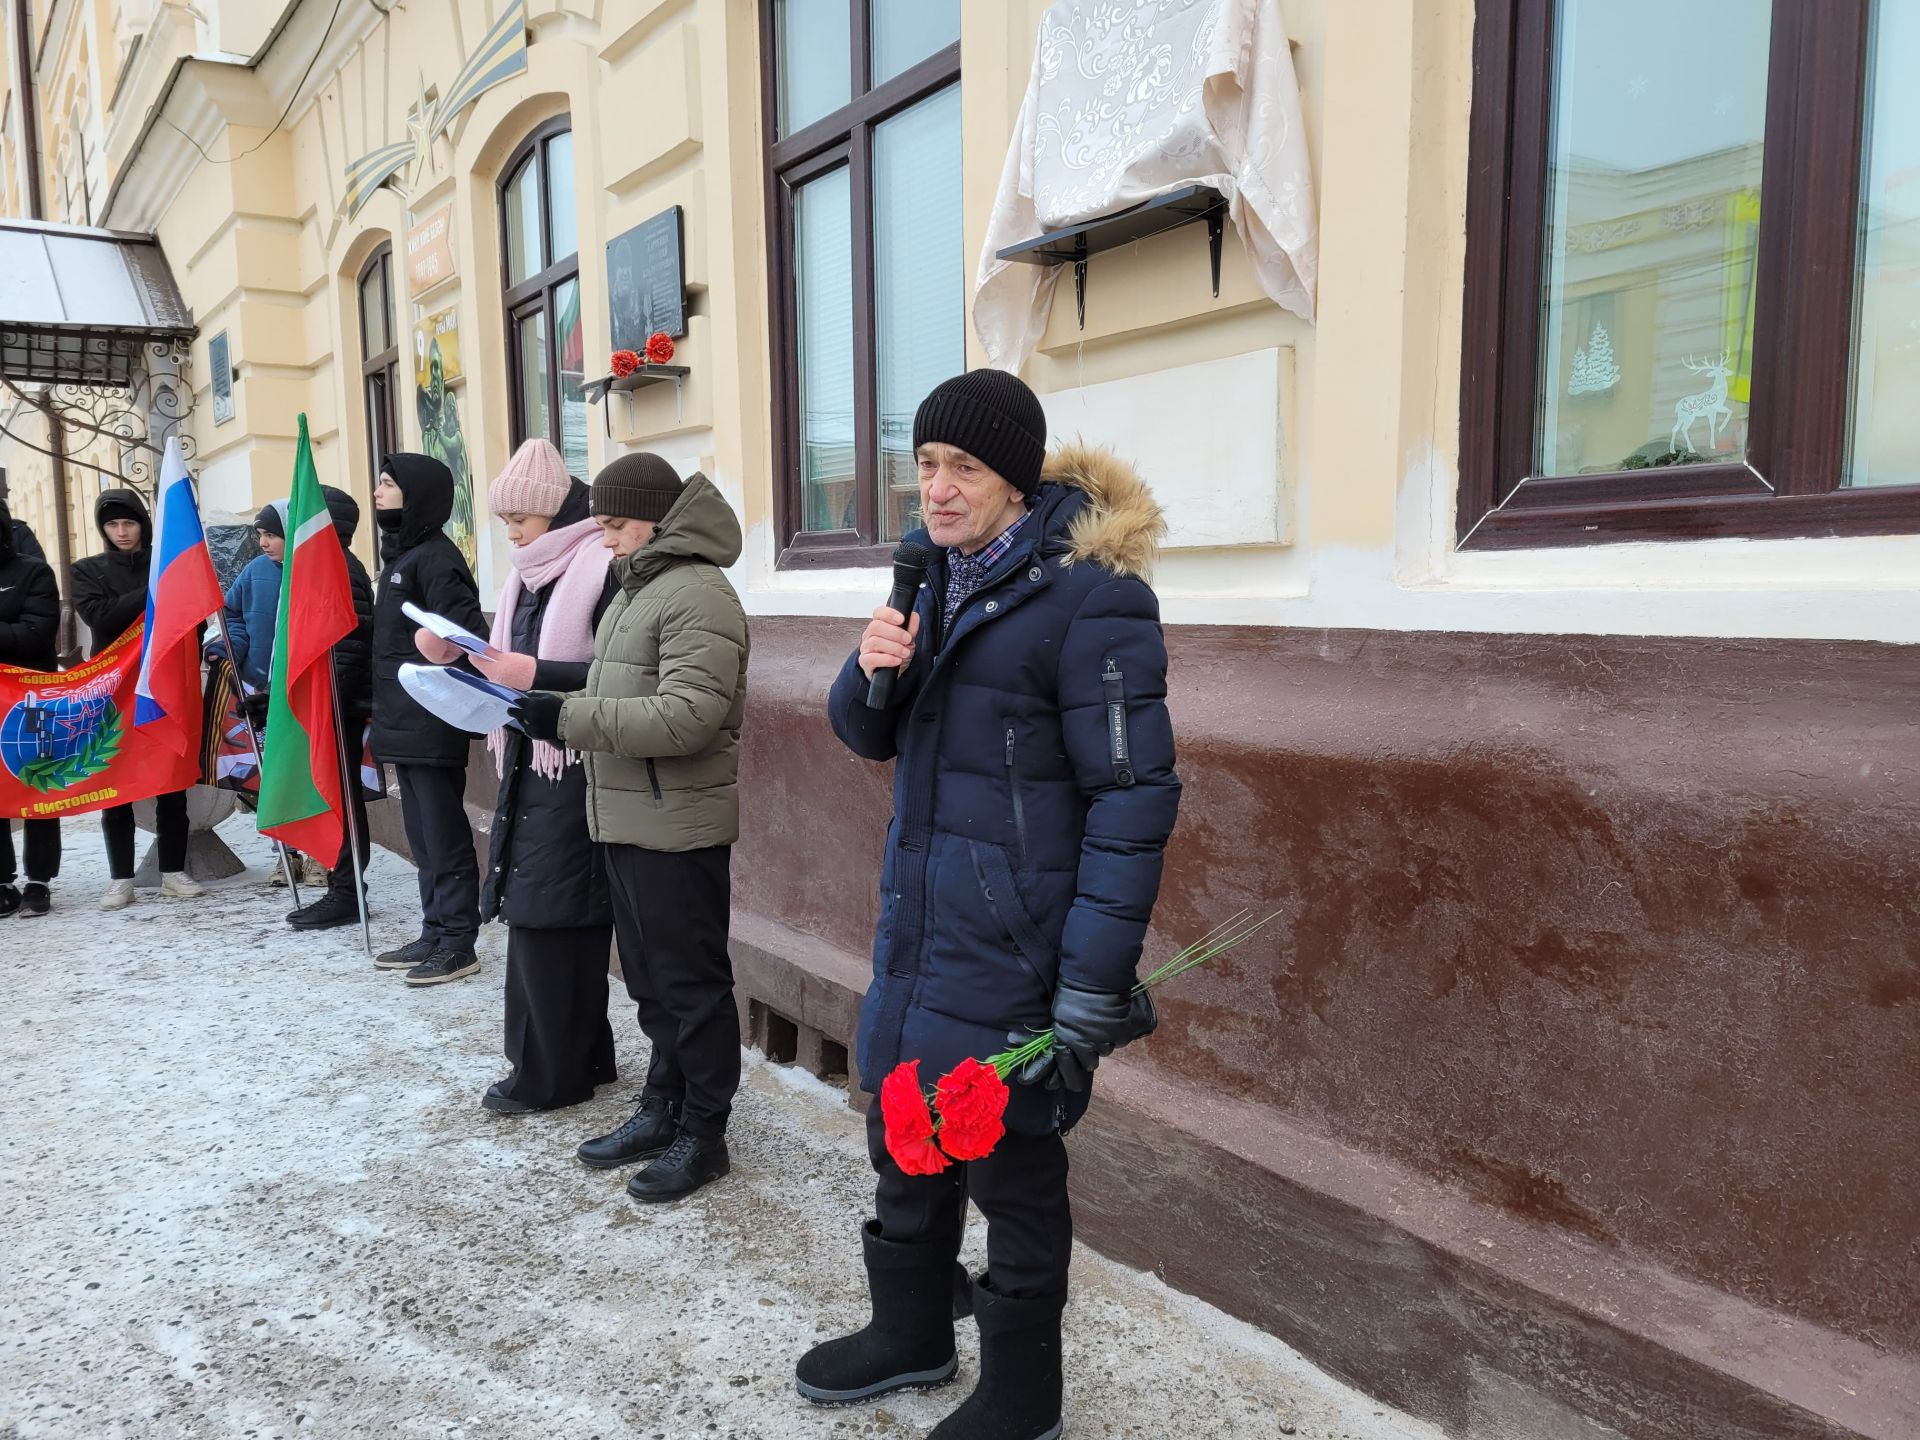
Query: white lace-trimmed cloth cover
point(1131, 100)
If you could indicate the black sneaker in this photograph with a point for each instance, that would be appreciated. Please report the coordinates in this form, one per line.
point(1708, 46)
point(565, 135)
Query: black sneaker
point(453, 963)
point(689, 1163)
point(9, 901)
point(647, 1132)
point(407, 956)
point(35, 900)
point(329, 912)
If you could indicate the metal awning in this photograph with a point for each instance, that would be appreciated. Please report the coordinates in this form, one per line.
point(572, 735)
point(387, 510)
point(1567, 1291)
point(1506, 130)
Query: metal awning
point(79, 306)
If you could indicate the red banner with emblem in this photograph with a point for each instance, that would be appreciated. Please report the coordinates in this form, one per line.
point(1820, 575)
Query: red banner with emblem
point(68, 743)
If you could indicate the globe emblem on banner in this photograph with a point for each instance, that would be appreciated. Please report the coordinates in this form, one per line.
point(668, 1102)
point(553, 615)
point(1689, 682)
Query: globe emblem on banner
point(55, 743)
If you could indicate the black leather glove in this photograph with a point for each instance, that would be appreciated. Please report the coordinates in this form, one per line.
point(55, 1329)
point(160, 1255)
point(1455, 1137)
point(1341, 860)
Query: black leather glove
point(1087, 1026)
point(256, 707)
point(538, 713)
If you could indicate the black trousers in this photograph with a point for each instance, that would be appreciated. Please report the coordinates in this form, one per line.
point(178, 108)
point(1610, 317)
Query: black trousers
point(171, 820)
point(670, 912)
point(558, 1039)
point(43, 851)
point(441, 838)
point(340, 878)
point(1022, 1190)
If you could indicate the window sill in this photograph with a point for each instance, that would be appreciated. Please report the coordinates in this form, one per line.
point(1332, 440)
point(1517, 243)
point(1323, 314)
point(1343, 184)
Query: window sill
point(1546, 518)
point(837, 550)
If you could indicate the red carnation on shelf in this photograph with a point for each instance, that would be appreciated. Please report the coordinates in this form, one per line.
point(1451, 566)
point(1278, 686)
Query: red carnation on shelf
point(909, 1124)
point(659, 348)
point(625, 362)
point(971, 1098)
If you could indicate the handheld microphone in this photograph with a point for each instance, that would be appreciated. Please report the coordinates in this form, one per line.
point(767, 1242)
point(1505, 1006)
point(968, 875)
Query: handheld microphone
point(910, 561)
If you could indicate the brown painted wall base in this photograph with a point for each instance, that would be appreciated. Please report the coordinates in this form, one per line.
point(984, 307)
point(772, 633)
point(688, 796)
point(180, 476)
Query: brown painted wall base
point(1570, 1075)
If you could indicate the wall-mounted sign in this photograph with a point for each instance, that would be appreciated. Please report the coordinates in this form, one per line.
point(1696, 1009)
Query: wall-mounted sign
point(220, 362)
point(439, 332)
point(647, 281)
point(430, 252)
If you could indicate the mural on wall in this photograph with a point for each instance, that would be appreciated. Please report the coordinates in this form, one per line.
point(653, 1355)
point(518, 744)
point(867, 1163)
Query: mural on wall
point(440, 434)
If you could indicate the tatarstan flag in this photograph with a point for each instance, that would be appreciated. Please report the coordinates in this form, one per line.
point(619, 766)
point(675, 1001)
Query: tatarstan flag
point(300, 795)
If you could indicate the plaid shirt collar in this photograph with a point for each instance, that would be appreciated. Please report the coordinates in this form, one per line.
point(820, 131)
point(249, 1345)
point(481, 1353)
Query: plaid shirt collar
point(967, 573)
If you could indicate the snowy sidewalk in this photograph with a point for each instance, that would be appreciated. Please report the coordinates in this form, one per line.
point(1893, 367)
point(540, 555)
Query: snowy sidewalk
point(249, 1191)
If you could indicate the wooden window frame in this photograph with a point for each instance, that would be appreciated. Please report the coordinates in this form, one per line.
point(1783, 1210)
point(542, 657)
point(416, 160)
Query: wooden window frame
point(379, 372)
point(535, 294)
point(1790, 484)
point(844, 137)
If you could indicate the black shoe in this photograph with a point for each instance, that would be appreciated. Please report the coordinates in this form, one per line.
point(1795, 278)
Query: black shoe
point(453, 963)
point(502, 1103)
point(408, 955)
point(647, 1133)
point(9, 901)
point(1018, 1397)
point(329, 912)
point(907, 1345)
point(35, 900)
point(690, 1162)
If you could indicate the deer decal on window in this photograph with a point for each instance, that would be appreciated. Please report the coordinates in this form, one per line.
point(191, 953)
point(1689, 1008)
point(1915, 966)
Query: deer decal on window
point(1711, 402)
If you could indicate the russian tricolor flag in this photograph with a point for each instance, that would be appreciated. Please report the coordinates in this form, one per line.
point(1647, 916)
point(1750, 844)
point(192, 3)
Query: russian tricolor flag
point(182, 592)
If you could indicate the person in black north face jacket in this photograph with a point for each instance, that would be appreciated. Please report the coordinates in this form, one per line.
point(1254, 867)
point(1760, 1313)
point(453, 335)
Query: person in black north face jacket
point(412, 502)
point(110, 594)
point(353, 684)
point(1034, 791)
point(29, 639)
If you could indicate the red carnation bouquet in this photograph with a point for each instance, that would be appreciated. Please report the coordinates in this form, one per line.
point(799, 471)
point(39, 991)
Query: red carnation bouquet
point(659, 348)
point(625, 362)
point(962, 1119)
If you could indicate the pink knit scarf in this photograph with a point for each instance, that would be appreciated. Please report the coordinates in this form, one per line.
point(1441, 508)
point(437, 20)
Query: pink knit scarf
point(572, 561)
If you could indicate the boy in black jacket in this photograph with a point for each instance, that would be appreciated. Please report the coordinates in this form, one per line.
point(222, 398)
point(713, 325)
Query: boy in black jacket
point(412, 502)
point(353, 684)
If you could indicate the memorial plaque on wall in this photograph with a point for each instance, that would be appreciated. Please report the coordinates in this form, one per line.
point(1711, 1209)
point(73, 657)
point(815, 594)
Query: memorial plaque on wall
point(647, 281)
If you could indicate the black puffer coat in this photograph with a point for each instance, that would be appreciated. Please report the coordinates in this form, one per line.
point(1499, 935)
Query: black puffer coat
point(353, 656)
point(30, 611)
point(423, 566)
point(110, 590)
point(543, 870)
point(1033, 787)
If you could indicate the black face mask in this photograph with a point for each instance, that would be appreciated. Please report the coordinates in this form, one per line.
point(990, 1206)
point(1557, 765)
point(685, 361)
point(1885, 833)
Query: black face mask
point(390, 519)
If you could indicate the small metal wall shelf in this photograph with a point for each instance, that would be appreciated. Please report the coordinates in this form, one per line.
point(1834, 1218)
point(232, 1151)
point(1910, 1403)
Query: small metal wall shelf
point(594, 391)
point(1076, 243)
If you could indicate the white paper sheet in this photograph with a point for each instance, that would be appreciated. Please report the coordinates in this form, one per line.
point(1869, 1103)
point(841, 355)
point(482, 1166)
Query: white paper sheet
point(447, 630)
point(465, 701)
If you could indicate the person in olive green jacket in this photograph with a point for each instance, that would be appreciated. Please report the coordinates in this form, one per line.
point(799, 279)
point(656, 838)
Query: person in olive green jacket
point(659, 729)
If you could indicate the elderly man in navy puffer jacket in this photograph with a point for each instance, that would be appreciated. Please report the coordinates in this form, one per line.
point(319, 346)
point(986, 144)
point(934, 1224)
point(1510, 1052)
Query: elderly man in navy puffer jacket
point(1034, 791)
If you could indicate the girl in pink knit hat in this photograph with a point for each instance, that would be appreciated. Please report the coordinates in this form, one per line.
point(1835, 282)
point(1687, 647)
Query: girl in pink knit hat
point(545, 877)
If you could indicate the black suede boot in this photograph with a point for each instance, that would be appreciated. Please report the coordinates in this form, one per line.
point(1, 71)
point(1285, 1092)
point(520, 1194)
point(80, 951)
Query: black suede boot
point(1018, 1397)
point(907, 1345)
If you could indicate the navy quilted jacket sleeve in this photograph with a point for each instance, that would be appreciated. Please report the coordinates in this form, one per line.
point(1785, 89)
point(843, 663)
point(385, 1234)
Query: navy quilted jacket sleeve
point(1119, 740)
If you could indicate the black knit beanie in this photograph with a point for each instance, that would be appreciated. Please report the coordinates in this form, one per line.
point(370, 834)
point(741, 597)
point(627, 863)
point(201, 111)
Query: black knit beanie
point(638, 486)
point(115, 510)
point(992, 416)
point(269, 520)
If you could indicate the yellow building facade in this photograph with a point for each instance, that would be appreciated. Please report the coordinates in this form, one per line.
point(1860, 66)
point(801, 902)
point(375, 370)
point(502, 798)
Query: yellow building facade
point(1565, 743)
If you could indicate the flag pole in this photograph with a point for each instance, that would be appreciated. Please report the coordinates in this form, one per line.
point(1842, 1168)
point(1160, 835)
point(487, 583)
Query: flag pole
point(349, 775)
point(259, 768)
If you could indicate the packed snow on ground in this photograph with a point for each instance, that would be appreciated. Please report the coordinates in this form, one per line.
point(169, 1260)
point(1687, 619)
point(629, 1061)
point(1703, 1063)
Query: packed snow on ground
point(250, 1191)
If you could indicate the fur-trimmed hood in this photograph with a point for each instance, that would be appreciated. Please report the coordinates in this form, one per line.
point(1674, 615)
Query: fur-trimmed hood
point(1118, 523)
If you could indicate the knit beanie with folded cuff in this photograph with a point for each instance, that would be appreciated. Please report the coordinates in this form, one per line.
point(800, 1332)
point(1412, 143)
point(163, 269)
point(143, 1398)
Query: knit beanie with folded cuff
point(992, 416)
point(535, 481)
point(638, 486)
